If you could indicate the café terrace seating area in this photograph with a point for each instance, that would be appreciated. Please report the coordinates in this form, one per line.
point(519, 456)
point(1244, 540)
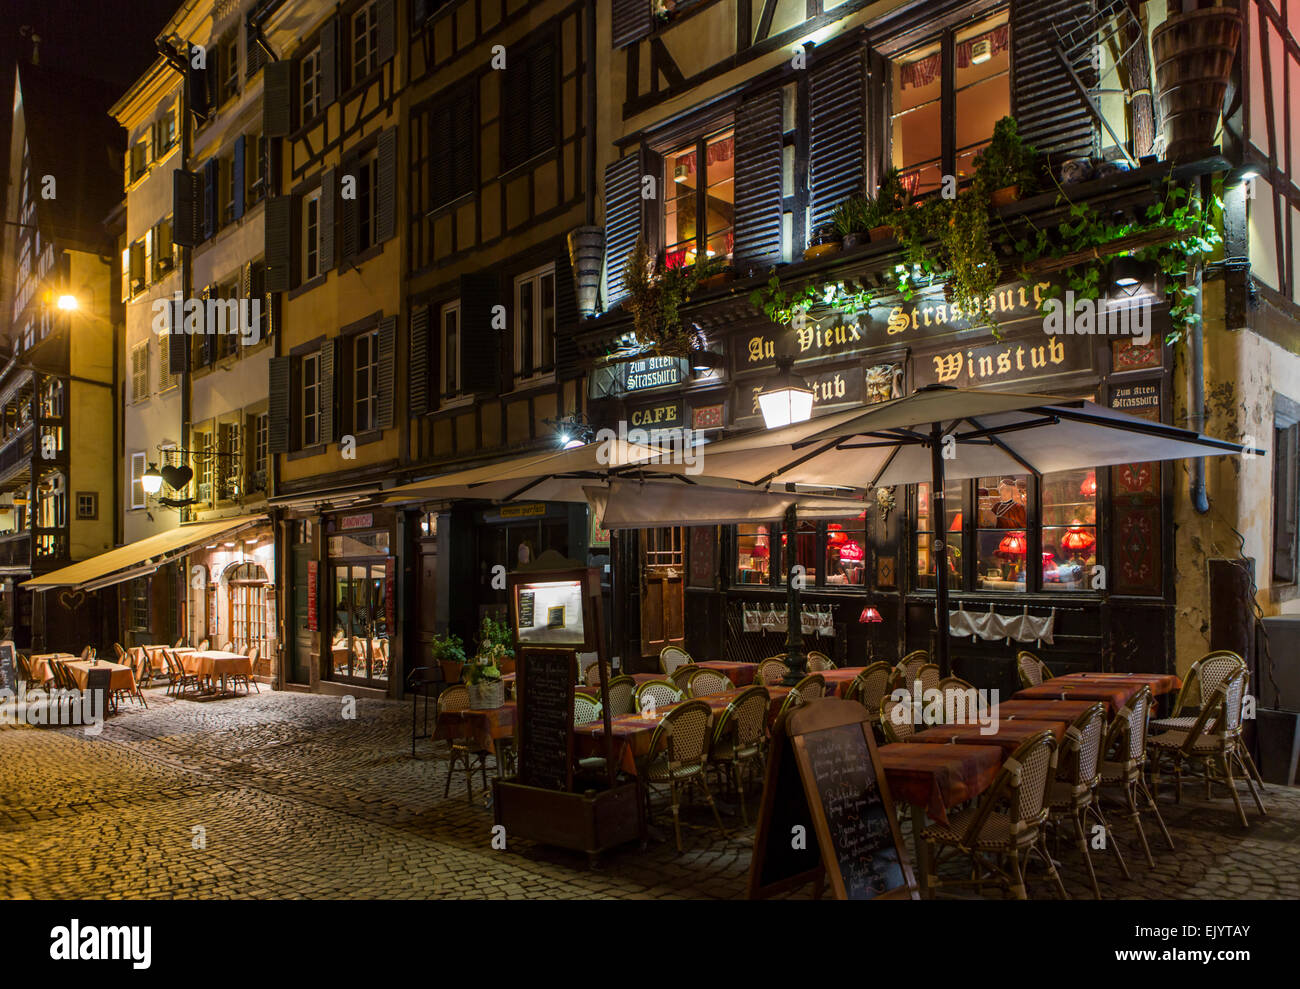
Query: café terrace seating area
point(1013, 803)
point(181, 671)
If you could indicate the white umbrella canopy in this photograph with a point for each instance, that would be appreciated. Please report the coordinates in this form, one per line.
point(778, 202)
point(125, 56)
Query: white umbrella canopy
point(651, 504)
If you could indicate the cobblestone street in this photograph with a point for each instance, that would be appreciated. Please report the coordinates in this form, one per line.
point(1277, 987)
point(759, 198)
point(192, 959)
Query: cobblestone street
point(287, 799)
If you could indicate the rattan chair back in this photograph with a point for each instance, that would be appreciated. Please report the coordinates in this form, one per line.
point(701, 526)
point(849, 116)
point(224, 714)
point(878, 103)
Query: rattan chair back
point(1079, 758)
point(1215, 669)
point(586, 709)
point(683, 736)
point(811, 687)
point(621, 689)
point(869, 687)
point(929, 675)
point(707, 682)
point(896, 720)
point(681, 677)
point(746, 716)
point(454, 698)
point(591, 676)
point(1022, 783)
point(662, 692)
point(911, 663)
point(819, 662)
point(671, 657)
point(1126, 739)
point(771, 671)
point(1031, 669)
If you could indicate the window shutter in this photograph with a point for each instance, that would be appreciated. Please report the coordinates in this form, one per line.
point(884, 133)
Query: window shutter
point(260, 293)
point(837, 134)
point(178, 351)
point(245, 288)
point(351, 233)
point(210, 198)
point(386, 208)
point(126, 273)
point(386, 379)
point(254, 57)
point(758, 183)
point(198, 83)
point(566, 317)
point(631, 21)
point(1286, 501)
point(327, 420)
point(329, 63)
point(277, 425)
point(387, 42)
point(418, 371)
point(622, 221)
point(327, 195)
point(480, 344)
point(1048, 111)
point(208, 341)
point(277, 99)
point(514, 114)
point(278, 223)
point(542, 98)
point(187, 217)
point(241, 149)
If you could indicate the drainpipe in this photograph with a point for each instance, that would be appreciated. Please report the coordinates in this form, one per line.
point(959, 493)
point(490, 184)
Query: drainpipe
point(1195, 281)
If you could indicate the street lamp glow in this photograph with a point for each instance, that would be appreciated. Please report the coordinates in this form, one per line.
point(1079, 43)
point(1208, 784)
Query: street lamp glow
point(68, 303)
point(785, 399)
point(152, 480)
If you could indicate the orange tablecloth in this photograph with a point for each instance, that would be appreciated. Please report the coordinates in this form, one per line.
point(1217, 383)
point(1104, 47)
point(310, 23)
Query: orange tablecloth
point(1008, 736)
point(837, 681)
point(1160, 683)
point(123, 677)
point(40, 664)
point(215, 663)
point(484, 728)
point(1114, 689)
point(938, 777)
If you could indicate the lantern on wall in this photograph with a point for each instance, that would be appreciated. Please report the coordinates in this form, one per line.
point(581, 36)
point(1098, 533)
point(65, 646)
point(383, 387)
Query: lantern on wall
point(1089, 486)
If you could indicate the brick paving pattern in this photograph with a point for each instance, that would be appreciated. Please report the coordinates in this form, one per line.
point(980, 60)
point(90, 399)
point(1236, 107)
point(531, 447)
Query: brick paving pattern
point(285, 798)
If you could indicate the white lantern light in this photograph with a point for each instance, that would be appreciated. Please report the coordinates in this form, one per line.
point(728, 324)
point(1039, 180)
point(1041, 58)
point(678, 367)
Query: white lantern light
point(786, 398)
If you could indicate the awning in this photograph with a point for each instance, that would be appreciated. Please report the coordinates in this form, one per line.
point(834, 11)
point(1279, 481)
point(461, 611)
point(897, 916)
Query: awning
point(657, 504)
point(140, 557)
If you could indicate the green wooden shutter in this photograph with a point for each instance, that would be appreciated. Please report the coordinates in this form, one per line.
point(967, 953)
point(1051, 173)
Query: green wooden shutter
point(279, 242)
point(387, 40)
point(480, 343)
point(622, 221)
point(328, 420)
point(386, 207)
point(329, 63)
point(1286, 501)
point(277, 99)
point(187, 206)
point(237, 164)
point(328, 194)
point(1049, 112)
point(630, 21)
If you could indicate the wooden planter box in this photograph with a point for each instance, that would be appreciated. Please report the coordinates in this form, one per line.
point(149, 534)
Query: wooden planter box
point(590, 822)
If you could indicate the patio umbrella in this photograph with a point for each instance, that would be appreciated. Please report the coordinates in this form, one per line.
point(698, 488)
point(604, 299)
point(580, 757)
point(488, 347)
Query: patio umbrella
point(943, 433)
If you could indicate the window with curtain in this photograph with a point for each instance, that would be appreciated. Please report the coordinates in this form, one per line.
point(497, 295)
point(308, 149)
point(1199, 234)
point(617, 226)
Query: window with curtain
point(700, 199)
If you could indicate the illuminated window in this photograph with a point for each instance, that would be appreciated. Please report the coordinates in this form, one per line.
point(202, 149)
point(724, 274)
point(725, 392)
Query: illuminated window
point(700, 199)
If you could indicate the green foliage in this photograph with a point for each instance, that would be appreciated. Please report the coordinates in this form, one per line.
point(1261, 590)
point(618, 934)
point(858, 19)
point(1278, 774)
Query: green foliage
point(448, 649)
point(781, 306)
point(1007, 161)
point(492, 632)
point(656, 295)
point(856, 215)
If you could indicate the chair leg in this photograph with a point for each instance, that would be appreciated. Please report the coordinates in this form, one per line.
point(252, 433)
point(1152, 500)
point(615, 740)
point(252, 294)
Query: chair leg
point(708, 796)
point(1238, 754)
point(740, 789)
point(1232, 789)
point(1130, 788)
point(1142, 785)
point(1080, 820)
point(1051, 866)
point(1018, 885)
point(1250, 764)
point(677, 822)
point(1095, 806)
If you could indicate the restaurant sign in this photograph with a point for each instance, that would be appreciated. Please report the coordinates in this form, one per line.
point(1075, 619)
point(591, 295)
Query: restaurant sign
point(661, 415)
point(357, 521)
point(809, 340)
point(1006, 304)
point(654, 372)
point(1022, 360)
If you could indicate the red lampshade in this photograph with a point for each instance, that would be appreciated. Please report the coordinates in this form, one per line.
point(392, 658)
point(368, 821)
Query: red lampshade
point(759, 552)
point(1013, 544)
point(836, 535)
point(851, 552)
point(1078, 539)
point(870, 616)
point(956, 523)
point(1089, 486)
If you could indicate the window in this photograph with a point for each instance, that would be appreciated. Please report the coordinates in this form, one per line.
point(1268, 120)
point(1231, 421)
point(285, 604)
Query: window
point(367, 200)
point(528, 117)
point(139, 158)
point(935, 134)
point(254, 169)
point(311, 231)
point(1002, 537)
point(166, 379)
point(230, 463)
point(1286, 490)
point(205, 464)
point(137, 607)
point(139, 267)
point(226, 338)
point(226, 173)
point(135, 487)
point(163, 250)
point(164, 133)
point(365, 42)
point(261, 436)
point(311, 394)
point(140, 372)
point(535, 322)
point(309, 86)
point(87, 506)
point(248, 624)
point(228, 61)
point(700, 198)
point(449, 348)
point(365, 380)
point(449, 140)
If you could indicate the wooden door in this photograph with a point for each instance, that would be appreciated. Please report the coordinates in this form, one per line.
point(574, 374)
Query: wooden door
point(663, 575)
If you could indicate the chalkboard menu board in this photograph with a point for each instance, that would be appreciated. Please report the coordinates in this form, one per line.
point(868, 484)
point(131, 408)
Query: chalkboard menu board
point(827, 811)
point(527, 599)
point(8, 668)
point(544, 691)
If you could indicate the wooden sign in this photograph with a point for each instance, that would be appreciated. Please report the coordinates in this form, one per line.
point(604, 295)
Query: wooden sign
point(8, 668)
point(827, 812)
point(545, 711)
point(1010, 361)
point(313, 620)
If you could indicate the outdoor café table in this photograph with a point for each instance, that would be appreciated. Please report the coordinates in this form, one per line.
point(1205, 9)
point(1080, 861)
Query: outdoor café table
point(1008, 736)
point(41, 664)
point(1115, 690)
point(741, 674)
point(837, 681)
point(632, 734)
point(932, 779)
point(1160, 683)
point(485, 728)
point(214, 663)
point(123, 678)
point(1066, 711)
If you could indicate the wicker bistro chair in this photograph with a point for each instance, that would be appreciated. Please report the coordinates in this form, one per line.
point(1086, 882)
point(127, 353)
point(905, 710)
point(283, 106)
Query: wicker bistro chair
point(868, 688)
point(120, 653)
point(1072, 795)
point(671, 657)
point(707, 682)
point(25, 671)
point(957, 700)
point(247, 678)
point(179, 642)
point(678, 757)
point(203, 645)
point(621, 689)
point(180, 679)
point(819, 662)
point(771, 671)
point(681, 677)
point(812, 687)
point(1214, 740)
point(591, 676)
point(1007, 823)
point(452, 699)
point(911, 663)
point(661, 692)
point(1031, 670)
point(586, 708)
point(740, 739)
point(1124, 758)
point(1205, 675)
point(896, 724)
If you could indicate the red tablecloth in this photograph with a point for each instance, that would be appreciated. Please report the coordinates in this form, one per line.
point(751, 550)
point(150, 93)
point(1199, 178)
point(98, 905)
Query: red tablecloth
point(1160, 683)
point(1114, 696)
point(1008, 736)
point(938, 777)
point(483, 728)
point(741, 674)
point(837, 681)
point(1065, 711)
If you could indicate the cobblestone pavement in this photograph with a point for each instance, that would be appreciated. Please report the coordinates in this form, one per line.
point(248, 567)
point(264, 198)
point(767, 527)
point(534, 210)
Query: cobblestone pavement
point(285, 798)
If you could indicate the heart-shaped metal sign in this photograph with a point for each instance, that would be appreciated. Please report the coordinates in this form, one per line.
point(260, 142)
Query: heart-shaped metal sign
point(176, 477)
point(72, 600)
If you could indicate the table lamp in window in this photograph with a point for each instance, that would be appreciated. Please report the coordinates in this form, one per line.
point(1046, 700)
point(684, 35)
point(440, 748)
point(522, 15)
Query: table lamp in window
point(1013, 548)
point(870, 616)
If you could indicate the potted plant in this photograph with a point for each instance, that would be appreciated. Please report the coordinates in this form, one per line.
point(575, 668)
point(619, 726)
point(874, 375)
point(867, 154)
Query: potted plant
point(655, 295)
point(1007, 169)
point(483, 678)
point(496, 632)
point(825, 241)
point(892, 197)
point(449, 654)
point(725, 274)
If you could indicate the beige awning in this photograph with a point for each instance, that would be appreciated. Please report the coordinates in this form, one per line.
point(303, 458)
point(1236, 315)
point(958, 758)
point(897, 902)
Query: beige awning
point(140, 557)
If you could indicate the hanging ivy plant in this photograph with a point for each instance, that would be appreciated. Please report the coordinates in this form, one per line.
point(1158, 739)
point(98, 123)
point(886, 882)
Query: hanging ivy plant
point(781, 306)
point(655, 298)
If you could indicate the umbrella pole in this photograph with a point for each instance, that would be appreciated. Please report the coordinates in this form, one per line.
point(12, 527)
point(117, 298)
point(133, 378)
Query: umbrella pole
point(939, 521)
point(794, 655)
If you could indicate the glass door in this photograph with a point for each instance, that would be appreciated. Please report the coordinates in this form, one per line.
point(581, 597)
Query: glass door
point(359, 647)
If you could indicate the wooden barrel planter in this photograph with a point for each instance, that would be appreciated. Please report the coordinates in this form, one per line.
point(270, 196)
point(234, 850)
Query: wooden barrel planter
point(1194, 53)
